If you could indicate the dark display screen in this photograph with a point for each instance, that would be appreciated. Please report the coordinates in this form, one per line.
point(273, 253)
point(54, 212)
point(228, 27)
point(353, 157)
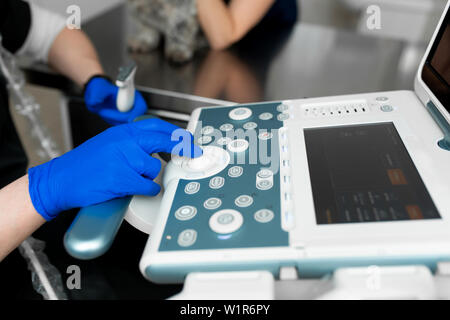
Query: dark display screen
point(363, 173)
point(436, 71)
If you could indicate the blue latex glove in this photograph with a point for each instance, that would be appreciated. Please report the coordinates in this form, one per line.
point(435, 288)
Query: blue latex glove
point(100, 96)
point(113, 164)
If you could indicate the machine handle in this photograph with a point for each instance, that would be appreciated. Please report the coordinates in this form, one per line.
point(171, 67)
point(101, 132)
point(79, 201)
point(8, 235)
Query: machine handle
point(93, 230)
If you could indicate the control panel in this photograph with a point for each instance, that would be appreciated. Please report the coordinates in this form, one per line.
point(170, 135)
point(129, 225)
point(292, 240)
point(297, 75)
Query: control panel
point(230, 196)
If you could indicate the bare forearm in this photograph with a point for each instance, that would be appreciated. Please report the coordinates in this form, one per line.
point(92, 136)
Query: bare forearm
point(18, 218)
point(216, 22)
point(73, 55)
point(223, 25)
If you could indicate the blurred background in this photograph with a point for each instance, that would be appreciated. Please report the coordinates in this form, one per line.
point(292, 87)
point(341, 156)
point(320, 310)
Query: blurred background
point(330, 51)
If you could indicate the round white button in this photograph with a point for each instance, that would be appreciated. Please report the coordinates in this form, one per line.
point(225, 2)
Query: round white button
point(250, 126)
point(243, 201)
point(204, 140)
point(207, 130)
point(265, 116)
point(265, 173)
point(240, 113)
point(214, 160)
point(212, 203)
point(185, 213)
point(282, 107)
point(264, 184)
point(226, 221)
point(264, 215)
point(239, 145)
point(192, 188)
point(224, 141)
point(187, 238)
point(216, 182)
point(386, 108)
point(283, 117)
point(226, 127)
point(235, 172)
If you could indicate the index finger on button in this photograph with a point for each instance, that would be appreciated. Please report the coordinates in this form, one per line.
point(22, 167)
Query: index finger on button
point(157, 125)
point(159, 142)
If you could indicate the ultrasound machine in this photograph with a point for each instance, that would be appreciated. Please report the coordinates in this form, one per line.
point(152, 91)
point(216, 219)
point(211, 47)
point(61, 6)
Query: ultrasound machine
point(313, 186)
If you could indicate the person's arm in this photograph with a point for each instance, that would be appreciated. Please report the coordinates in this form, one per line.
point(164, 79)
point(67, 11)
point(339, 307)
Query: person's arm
point(113, 164)
point(73, 55)
point(47, 39)
point(18, 218)
point(224, 25)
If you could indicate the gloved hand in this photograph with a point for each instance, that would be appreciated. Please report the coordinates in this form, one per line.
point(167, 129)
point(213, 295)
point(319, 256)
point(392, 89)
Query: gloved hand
point(100, 96)
point(113, 164)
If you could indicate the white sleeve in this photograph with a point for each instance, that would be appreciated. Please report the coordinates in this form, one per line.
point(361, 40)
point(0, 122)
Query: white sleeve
point(45, 26)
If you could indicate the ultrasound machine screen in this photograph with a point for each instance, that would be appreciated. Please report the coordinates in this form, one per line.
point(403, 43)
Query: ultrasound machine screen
point(363, 173)
point(436, 72)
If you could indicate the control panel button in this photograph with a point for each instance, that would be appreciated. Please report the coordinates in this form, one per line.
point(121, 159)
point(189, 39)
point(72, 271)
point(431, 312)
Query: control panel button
point(265, 135)
point(282, 107)
point(226, 221)
point(265, 116)
point(235, 172)
point(240, 113)
point(382, 99)
point(264, 173)
point(250, 126)
point(187, 238)
point(216, 182)
point(197, 164)
point(212, 203)
point(192, 188)
point(244, 201)
point(386, 108)
point(204, 140)
point(264, 215)
point(283, 117)
point(226, 127)
point(185, 213)
point(264, 184)
point(239, 145)
point(207, 130)
point(224, 141)
point(213, 160)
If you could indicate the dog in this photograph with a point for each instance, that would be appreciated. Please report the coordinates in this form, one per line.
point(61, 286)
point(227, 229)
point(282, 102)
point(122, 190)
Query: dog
point(174, 22)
